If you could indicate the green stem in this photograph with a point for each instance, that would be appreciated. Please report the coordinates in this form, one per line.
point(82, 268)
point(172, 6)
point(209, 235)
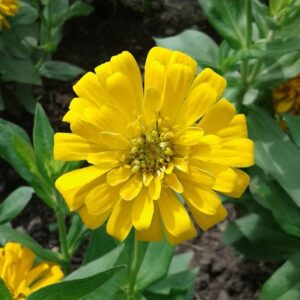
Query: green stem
point(249, 23)
point(134, 268)
point(244, 65)
point(60, 217)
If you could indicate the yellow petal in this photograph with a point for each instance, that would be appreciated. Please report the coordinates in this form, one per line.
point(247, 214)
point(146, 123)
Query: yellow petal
point(53, 275)
point(118, 175)
point(284, 106)
point(173, 182)
point(235, 153)
point(101, 199)
point(68, 147)
point(198, 102)
point(217, 82)
point(176, 220)
point(155, 188)
point(122, 94)
point(88, 88)
point(76, 184)
point(218, 117)
point(180, 163)
point(107, 118)
point(197, 176)
point(225, 177)
point(241, 184)
point(120, 221)
point(154, 76)
point(107, 159)
point(178, 82)
point(92, 221)
point(151, 105)
point(142, 211)
point(127, 65)
point(114, 141)
point(236, 129)
point(204, 200)
point(147, 178)
point(190, 136)
point(207, 221)
point(131, 188)
point(154, 233)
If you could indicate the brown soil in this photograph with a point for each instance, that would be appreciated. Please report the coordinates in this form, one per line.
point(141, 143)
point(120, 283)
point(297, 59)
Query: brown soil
point(115, 26)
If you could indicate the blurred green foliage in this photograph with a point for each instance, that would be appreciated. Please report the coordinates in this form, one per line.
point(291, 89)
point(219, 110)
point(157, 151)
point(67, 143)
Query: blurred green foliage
point(260, 48)
point(27, 47)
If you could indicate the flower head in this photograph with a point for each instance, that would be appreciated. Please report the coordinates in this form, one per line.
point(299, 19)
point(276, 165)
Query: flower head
point(21, 275)
point(7, 8)
point(286, 97)
point(155, 152)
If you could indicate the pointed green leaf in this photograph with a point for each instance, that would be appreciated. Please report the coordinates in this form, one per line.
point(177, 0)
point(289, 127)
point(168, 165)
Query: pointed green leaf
point(274, 152)
point(158, 254)
point(283, 281)
point(14, 203)
point(103, 285)
point(4, 291)
point(229, 19)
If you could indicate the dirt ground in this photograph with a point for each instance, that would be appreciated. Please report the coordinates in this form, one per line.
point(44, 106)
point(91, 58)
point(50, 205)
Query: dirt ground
point(114, 26)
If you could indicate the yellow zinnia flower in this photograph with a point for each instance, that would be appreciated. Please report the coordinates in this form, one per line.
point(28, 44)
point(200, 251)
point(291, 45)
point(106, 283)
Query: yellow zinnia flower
point(19, 273)
point(7, 8)
point(286, 97)
point(151, 148)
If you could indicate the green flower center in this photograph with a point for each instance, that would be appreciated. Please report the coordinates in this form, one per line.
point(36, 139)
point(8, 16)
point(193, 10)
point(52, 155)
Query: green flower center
point(151, 152)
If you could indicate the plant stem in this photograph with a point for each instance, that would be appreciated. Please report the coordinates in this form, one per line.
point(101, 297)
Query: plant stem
point(244, 64)
point(60, 217)
point(134, 268)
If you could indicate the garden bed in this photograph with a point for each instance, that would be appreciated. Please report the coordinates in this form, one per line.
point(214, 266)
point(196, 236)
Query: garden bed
point(115, 26)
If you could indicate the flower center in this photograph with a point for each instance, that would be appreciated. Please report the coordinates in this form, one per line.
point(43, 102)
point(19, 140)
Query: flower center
point(151, 152)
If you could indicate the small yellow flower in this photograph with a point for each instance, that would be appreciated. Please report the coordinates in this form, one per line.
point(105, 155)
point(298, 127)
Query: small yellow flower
point(286, 97)
point(19, 273)
point(155, 152)
point(7, 8)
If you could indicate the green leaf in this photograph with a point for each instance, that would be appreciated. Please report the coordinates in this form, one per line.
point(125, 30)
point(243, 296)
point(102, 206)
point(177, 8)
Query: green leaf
point(2, 105)
point(4, 291)
point(24, 95)
point(10, 234)
point(263, 234)
point(276, 47)
point(275, 71)
point(293, 123)
point(14, 203)
point(229, 19)
point(181, 262)
point(78, 9)
point(27, 14)
point(283, 281)
point(43, 138)
point(19, 70)
point(100, 286)
point(263, 19)
point(276, 6)
point(103, 263)
point(179, 282)
point(59, 70)
point(100, 244)
point(76, 233)
point(196, 44)
point(158, 254)
point(274, 152)
point(285, 211)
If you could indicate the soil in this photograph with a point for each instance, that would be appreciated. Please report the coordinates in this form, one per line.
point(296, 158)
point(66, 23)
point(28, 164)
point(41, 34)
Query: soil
point(114, 26)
